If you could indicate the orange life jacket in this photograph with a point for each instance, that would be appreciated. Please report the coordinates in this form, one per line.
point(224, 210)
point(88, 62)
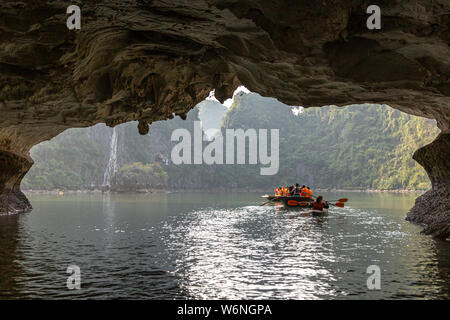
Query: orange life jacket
point(303, 193)
point(318, 206)
point(307, 193)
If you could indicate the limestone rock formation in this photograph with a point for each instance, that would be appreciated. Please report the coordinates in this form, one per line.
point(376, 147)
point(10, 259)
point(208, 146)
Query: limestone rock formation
point(146, 60)
point(433, 208)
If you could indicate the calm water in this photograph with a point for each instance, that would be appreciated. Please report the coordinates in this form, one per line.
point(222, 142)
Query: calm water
point(226, 246)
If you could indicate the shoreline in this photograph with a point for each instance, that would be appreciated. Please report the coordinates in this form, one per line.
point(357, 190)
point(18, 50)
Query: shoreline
point(234, 190)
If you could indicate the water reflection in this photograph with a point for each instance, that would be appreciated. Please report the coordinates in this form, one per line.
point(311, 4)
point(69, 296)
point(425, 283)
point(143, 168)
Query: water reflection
point(10, 257)
point(217, 246)
point(443, 267)
point(241, 254)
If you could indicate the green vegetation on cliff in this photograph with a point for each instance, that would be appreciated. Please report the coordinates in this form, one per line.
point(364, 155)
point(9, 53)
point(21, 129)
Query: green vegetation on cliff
point(138, 176)
point(68, 161)
point(360, 146)
point(354, 147)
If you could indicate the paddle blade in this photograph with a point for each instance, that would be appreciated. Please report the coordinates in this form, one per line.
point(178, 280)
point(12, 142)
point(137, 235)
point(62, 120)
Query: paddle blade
point(339, 204)
point(343, 200)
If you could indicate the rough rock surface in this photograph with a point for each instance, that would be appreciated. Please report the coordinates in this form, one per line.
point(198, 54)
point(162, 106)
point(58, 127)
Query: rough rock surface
point(12, 169)
point(433, 208)
point(147, 59)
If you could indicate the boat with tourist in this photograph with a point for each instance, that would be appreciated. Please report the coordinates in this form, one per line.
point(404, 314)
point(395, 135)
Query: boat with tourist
point(302, 198)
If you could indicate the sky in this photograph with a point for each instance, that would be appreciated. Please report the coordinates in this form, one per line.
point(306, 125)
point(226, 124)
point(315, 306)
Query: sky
point(296, 110)
point(227, 103)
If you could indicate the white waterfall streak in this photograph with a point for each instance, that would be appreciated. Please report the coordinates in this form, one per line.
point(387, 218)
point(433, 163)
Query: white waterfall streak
point(111, 168)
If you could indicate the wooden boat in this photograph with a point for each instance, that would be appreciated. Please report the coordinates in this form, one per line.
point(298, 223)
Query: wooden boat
point(287, 198)
point(296, 202)
point(299, 202)
point(291, 201)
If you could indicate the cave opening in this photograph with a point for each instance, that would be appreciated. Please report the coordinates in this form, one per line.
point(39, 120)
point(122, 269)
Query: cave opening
point(137, 63)
point(356, 147)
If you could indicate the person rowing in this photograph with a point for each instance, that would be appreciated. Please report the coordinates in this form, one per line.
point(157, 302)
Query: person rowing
point(319, 204)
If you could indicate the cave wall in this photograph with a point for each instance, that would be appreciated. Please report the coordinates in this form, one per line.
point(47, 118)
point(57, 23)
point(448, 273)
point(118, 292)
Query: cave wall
point(146, 60)
point(432, 209)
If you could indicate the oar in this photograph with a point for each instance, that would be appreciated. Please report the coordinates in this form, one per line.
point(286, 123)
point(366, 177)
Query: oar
point(339, 200)
point(266, 203)
point(297, 203)
point(337, 204)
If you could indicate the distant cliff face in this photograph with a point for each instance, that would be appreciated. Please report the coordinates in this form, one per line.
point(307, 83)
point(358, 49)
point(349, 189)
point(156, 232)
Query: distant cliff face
point(78, 158)
point(136, 177)
point(145, 60)
point(354, 147)
point(359, 147)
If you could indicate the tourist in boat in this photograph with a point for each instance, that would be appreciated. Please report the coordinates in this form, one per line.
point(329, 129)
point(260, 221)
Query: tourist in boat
point(297, 190)
point(291, 190)
point(319, 204)
point(307, 192)
point(303, 191)
point(278, 191)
